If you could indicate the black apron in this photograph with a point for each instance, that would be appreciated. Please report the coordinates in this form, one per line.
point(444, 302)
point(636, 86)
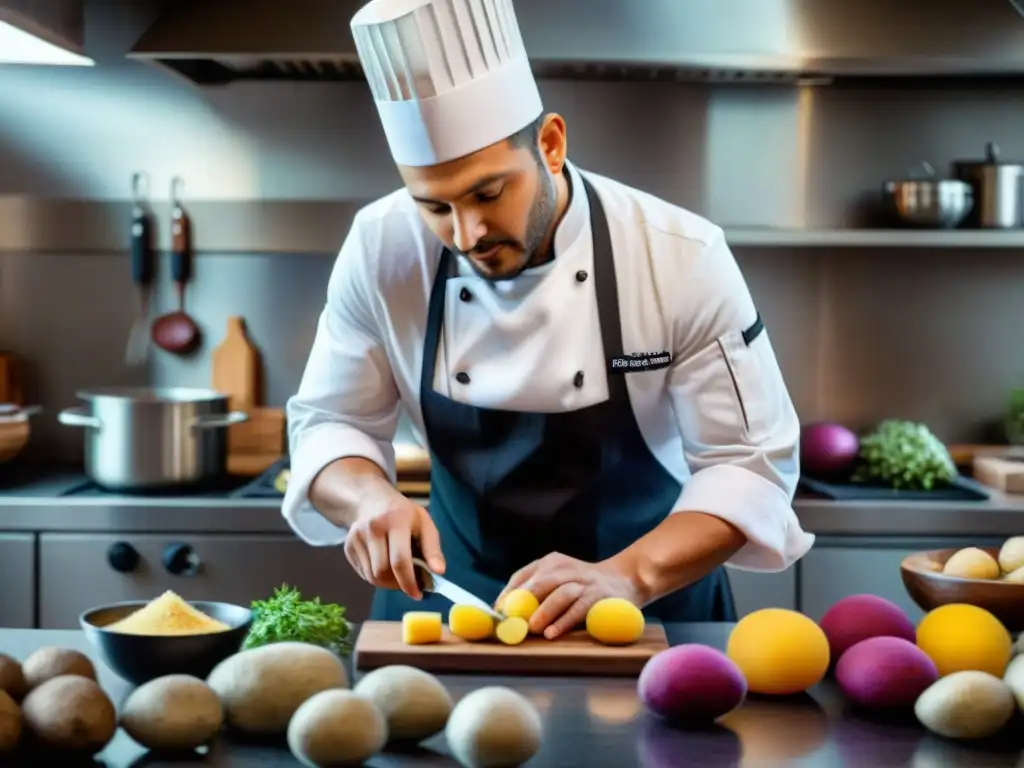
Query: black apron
point(507, 487)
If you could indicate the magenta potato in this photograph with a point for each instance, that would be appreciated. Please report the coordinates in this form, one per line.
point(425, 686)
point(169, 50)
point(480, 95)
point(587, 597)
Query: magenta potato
point(691, 683)
point(859, 617)
point(885, 673)
point(828, 450)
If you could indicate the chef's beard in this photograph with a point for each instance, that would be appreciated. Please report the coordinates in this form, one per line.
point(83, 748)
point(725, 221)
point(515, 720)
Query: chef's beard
point(542, 215)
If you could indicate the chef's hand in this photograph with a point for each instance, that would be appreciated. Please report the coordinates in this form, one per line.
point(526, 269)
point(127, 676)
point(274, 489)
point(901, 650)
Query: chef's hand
point(379, 544)
point(567, 588)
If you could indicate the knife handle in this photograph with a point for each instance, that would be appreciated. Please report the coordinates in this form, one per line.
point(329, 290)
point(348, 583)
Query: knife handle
point(421, 570)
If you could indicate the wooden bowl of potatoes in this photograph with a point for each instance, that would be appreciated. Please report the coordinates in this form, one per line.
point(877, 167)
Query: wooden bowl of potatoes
point(987, 577)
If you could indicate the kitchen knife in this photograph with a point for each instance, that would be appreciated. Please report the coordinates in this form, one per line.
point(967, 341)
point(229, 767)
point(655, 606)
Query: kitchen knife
point(431, 582)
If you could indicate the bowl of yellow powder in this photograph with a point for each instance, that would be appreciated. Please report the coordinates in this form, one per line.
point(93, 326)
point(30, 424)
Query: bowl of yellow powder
point(142, 640)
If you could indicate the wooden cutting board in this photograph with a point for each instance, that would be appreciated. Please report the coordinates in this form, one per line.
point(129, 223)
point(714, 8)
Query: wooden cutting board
point(380, 644)
point(236, 367)
point(1007, 476)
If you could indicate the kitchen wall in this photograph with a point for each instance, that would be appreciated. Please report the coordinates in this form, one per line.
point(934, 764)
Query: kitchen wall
point(861, 334)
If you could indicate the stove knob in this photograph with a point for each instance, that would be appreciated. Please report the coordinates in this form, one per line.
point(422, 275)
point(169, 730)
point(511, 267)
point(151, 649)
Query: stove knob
point(123, 557)
point(181, 560)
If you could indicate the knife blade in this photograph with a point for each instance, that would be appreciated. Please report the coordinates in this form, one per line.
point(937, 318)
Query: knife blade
point(431, 582)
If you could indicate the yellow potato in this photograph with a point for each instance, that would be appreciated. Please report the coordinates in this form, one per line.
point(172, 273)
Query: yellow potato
point(470, 622)
point(615, 621)
point(519, 602)
point(972, 563)
point(421, 627)
point(1015, 577)
point(1011, 554)
point(513, 630)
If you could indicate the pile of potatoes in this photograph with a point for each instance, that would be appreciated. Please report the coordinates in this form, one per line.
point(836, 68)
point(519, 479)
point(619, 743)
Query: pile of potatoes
point(975, 563)
point(52, 702)
point(302, 692)
point(611, 621)
point(295, 691)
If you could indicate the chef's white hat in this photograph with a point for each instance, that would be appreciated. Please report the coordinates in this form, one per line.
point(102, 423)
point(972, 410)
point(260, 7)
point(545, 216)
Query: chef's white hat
point(449, 77)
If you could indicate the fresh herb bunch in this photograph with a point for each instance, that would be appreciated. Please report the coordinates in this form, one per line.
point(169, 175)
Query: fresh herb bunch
point(286, 617)
point(904, 455)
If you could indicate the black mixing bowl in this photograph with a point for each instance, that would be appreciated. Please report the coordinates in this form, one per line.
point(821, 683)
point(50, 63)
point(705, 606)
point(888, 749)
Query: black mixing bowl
point(141, 658)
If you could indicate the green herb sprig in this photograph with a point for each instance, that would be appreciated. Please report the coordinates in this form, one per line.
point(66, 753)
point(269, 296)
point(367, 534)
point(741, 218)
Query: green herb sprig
point(287, 617)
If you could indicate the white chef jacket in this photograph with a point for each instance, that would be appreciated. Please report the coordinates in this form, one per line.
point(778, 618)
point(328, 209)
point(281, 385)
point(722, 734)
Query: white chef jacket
point(719, 418)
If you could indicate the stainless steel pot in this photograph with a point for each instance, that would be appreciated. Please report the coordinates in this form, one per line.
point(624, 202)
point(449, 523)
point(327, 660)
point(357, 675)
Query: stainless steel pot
point(153, 439)
point(998, 190)
point(924, 200)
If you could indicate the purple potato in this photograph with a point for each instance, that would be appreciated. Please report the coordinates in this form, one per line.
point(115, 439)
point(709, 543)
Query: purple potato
point(691, 683)
point(885, 673)
point(859, 617)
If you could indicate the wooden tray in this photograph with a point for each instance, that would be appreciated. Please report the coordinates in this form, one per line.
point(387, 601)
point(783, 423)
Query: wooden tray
point(380, 644)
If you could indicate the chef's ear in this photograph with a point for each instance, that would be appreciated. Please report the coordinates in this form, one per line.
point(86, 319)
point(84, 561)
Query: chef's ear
point(552, 140)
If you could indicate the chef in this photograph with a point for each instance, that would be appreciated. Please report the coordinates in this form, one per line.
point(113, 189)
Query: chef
point(603, 409)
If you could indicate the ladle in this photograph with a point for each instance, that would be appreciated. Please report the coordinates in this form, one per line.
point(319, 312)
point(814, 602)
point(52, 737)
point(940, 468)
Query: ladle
point(176, 332)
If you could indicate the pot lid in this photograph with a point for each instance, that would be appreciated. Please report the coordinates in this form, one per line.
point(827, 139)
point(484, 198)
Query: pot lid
point(153, 394)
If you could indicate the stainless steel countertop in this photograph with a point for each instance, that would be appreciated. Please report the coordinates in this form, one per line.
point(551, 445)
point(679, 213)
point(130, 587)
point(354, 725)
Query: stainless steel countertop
point(600, 722)
point(38, 506)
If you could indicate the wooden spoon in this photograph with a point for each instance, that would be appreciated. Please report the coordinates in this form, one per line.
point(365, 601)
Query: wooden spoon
point(176, 332)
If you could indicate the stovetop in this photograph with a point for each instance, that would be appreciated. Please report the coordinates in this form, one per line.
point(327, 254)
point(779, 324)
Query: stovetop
point(61, 481)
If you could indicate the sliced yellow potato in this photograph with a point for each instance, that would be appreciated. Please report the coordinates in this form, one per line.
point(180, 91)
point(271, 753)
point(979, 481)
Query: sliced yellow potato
point(470, 623)
point(421, 627)
point(513, 630)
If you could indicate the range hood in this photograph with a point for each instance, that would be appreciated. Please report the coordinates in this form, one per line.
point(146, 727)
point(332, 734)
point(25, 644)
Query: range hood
point(42, 32)
point(219, 41)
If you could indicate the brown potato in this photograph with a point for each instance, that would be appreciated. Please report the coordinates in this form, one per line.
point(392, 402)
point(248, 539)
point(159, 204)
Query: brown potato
point(12, 678)
point(10, 723)
point(69, 714)
point(50, 662)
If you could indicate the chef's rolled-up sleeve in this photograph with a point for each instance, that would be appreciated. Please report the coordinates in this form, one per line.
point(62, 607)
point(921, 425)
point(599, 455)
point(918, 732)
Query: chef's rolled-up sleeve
point(347, 404)
point(741, 432)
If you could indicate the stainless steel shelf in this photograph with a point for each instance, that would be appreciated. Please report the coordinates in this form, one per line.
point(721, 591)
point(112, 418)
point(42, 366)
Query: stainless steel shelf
point(35, 225)
point(874, 238)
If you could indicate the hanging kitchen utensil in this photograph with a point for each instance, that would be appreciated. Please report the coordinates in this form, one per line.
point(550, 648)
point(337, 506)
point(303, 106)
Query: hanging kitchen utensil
point(176, 332)
point(142, 269)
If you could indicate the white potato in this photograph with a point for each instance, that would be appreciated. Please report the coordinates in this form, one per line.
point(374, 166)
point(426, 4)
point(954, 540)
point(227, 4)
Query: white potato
point(494, 727)
point(172, 713)
point(336, 727)
point(261, 688)
point(965, 705)
point(415, 704)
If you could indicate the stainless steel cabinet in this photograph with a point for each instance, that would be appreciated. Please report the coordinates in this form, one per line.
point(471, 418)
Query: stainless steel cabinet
point(829, 573)
point(753, 591)
point(79, 571)
point(18, 577)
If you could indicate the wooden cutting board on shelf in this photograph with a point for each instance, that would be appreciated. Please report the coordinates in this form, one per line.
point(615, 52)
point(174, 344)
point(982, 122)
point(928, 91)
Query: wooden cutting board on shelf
point(236, 367)
point(1002, 474)
point(253, 445)
point(380, 643)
